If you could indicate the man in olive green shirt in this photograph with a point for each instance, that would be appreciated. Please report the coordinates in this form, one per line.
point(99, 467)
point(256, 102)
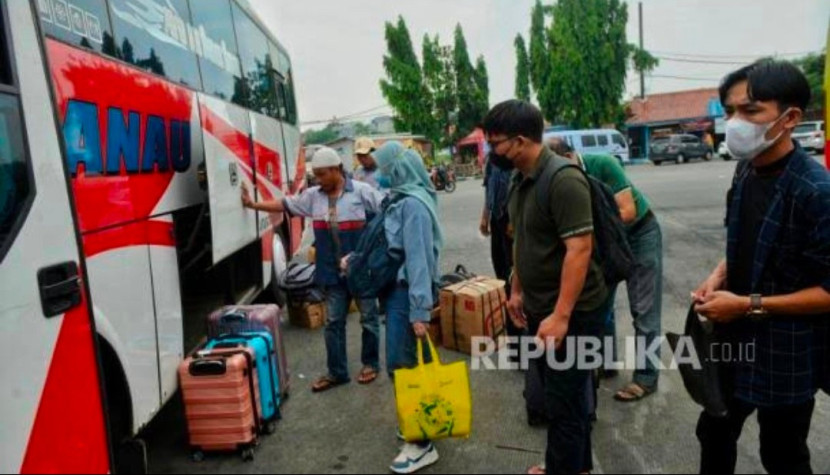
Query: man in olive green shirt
point(645, 286)
point(558, 291)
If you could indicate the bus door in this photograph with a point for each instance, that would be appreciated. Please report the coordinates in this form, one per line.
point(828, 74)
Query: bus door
point(51, 409)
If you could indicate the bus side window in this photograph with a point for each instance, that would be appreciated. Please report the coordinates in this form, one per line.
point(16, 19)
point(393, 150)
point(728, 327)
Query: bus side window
point(84, 23)
point(589, 141)
point(291, 100)
point(219, 59)
point(142, 39)
point(603, 140)
point(257, 63)
point(15, 187)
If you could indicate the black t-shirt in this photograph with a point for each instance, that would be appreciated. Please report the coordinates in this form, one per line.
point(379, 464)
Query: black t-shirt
point(758, 192)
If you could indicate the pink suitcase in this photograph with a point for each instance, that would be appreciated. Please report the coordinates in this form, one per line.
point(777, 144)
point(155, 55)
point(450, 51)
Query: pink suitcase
point(221, 400)
point(235, 319)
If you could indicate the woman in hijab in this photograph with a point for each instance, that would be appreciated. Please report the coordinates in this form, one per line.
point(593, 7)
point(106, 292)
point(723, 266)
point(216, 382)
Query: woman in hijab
point(412, 228)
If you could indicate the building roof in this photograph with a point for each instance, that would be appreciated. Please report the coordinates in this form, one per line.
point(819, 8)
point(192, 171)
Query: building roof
point(674, 106)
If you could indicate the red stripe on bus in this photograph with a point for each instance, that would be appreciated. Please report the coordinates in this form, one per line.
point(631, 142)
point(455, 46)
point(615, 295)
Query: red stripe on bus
point(152, 233)
point(69, 433)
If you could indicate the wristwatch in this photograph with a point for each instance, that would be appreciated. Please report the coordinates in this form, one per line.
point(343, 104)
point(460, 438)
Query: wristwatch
point(756, 308)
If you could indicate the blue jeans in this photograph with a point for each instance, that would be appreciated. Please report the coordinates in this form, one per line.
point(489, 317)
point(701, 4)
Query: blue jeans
point(401, 342)
point(645, 294)
point(338, 299)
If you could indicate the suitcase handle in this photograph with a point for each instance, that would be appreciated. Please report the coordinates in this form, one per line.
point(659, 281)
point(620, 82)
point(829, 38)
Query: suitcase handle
point(227, 345)
point(208, 367)
point(234, 316)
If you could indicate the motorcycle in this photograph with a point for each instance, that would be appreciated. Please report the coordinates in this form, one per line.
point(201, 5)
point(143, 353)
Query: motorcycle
point(443, 178)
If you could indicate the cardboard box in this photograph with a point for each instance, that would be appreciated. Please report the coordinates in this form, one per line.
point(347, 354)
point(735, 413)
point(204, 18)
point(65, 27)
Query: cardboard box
point(473, 308)
point(435, 332)
point(307, 315)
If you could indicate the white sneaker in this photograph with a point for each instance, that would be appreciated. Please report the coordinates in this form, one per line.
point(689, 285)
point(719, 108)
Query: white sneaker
point(413, 458)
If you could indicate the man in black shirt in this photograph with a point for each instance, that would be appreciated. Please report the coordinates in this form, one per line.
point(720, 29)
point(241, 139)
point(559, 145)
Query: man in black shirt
point(773, 288)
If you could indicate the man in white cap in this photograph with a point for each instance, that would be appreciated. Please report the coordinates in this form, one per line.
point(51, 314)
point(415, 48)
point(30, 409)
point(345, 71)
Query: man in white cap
point(363, 148)
point(338, 207)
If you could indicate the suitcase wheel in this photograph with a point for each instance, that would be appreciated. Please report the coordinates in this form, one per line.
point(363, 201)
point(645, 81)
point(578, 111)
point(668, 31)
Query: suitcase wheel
point(248, 454)
point(197, 456)
point(270, 427)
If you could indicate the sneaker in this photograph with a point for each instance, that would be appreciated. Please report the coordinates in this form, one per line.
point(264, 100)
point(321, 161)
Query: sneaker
point(399, 435)
point(414, 457)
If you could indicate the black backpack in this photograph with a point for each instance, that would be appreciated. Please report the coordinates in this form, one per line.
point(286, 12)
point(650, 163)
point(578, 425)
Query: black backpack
point(612, 249)
point(373, 267)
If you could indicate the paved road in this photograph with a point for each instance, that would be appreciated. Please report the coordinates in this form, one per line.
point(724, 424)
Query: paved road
point(352, 429)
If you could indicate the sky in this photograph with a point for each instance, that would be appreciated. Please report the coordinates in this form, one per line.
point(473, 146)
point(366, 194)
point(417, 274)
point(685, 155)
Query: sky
point(337, 47)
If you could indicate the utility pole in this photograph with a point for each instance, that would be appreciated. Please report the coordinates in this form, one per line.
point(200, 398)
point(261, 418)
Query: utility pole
point(642, 73)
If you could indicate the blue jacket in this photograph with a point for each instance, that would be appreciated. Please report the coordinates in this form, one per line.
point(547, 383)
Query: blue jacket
point(409, 229)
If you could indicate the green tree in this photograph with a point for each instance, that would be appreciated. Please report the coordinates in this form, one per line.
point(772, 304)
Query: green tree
point(469, 110)
point(813, 67)
point(321, 137)
point(404, 87)
point(362, 128)
point(522, 89)
point(587, 62)
point(482, 82)
point(539, 49)
point(439, 76)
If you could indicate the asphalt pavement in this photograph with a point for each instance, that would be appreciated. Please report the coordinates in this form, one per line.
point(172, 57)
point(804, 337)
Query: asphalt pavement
point(352, 429)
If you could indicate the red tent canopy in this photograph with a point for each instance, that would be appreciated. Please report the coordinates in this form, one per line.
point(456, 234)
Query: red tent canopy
point(475, 139)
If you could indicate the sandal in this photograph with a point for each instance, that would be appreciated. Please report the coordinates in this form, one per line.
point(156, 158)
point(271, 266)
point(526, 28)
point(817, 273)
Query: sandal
point(537, 470)
point(368, 375)
point(633, 392)
point(325, 383)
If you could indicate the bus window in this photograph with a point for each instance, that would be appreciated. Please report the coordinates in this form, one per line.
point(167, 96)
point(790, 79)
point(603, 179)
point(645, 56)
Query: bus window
point(618, 140)
point(78, 22)
point(257, 64)
point(14, 179)
point(603, 140)
point(154, 35)
point(219, 57)
point(291, 100)
point(589, 141)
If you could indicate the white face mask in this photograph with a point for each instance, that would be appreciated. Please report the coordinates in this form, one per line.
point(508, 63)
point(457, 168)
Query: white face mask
point(747, 140)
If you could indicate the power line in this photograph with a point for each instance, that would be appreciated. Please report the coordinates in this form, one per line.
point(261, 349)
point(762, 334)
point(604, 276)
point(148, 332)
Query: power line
point(354, 115)
point(684, 78)
point(700, 61)
point(730, 56)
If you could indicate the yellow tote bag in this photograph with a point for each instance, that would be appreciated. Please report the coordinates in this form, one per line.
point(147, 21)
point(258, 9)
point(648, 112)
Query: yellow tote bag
point(434, 401)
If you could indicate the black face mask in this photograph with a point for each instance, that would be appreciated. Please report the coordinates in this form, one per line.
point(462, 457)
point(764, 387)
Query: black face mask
point(501, 162)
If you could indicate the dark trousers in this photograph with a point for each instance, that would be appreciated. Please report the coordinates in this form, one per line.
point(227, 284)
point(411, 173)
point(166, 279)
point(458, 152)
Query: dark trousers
point(501, 251)
point(784, 432)
point(567, 401)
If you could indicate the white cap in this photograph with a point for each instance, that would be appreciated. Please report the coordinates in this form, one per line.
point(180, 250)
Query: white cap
point(325, 157)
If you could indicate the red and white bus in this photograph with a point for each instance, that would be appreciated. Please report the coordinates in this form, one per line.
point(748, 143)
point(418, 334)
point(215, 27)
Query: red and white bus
point(127, 128)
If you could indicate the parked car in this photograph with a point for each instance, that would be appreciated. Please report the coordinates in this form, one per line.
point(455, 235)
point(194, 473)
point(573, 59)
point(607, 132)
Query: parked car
point(679, 149)
point(607, 141)
point(810, 135)
point(723, 151)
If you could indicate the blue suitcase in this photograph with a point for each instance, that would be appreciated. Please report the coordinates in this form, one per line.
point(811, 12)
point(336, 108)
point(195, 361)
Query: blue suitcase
point(263, 345)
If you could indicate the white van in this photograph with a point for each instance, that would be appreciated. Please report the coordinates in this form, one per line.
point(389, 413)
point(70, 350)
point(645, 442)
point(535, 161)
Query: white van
point(607, 141)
